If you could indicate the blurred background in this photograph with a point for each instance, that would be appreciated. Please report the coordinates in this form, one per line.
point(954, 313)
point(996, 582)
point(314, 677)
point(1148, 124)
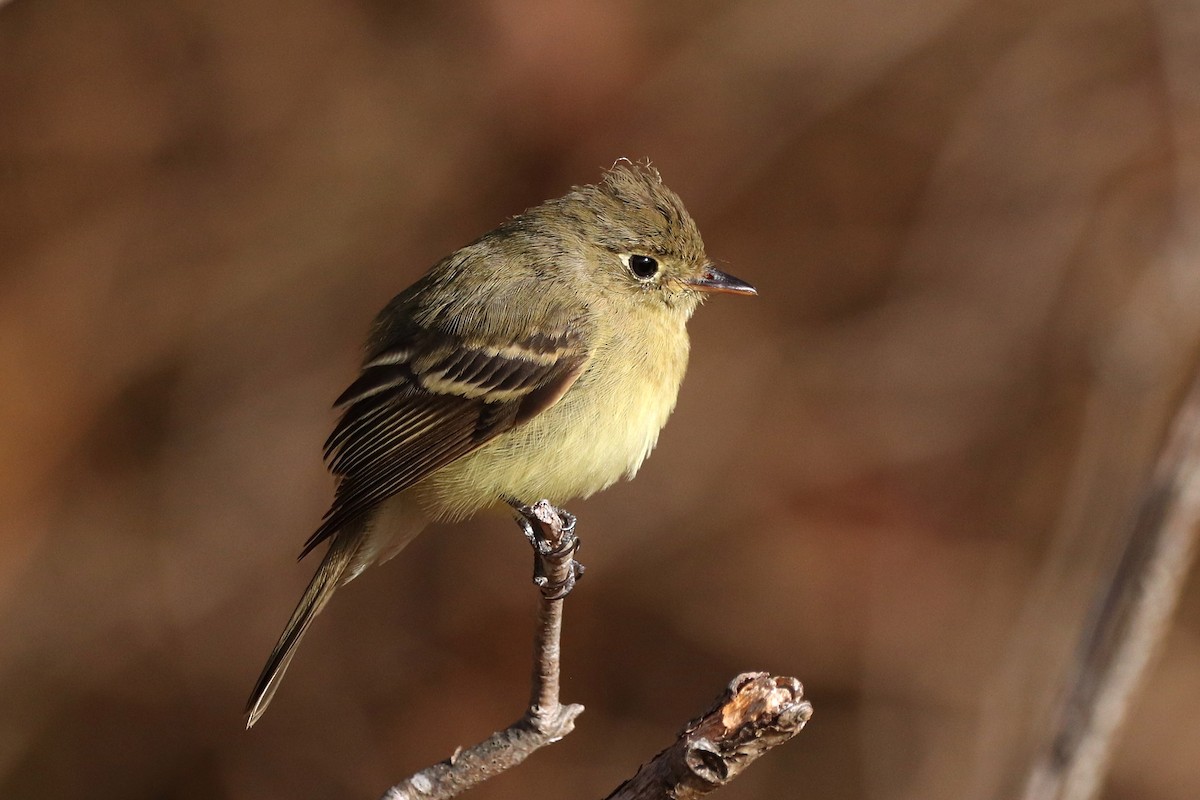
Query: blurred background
point(899, 474)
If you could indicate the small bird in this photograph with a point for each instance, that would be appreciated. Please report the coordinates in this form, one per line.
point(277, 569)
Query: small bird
point(539, 361)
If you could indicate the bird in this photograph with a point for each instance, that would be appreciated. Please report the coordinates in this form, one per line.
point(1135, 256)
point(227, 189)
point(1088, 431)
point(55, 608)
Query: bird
point(540, 361)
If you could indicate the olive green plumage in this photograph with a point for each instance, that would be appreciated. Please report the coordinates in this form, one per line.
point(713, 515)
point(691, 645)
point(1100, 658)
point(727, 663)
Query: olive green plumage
point(540, 361)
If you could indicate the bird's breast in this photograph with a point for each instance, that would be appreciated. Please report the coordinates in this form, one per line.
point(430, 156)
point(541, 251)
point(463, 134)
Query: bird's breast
point(603, 428)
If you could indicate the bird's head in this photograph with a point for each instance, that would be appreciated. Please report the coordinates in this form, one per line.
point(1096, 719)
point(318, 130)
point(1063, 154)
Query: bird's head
point(642, 242)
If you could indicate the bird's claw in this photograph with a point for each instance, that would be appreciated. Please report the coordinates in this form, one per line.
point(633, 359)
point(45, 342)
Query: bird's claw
point(551, 552)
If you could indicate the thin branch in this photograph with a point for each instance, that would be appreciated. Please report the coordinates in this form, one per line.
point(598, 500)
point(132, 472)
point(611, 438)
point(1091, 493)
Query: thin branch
point(547, 720)
point(1131, 620)
point(755, 713)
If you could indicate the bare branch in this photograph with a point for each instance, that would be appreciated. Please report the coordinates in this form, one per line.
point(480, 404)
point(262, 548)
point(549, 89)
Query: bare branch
point(1130, 621)
point(755, 713)
point(547, 720)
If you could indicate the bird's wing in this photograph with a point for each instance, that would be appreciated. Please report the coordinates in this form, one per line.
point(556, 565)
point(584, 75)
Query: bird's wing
point(428, 397)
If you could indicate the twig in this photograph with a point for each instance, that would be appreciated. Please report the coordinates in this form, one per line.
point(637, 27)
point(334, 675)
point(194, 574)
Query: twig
point(1130, 621)
point(547, 720)
point(755, 713)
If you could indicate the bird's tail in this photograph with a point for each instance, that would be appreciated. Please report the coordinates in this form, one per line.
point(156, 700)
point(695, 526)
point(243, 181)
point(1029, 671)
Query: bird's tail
point(328, 577)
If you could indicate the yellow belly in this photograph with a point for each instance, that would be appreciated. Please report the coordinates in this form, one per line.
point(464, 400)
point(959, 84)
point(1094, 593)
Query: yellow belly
point(602, 429)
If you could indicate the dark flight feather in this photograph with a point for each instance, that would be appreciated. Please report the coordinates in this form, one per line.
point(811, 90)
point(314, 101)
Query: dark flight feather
point(429, 398)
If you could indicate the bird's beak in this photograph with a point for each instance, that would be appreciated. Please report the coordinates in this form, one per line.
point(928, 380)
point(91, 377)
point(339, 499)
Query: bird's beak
point(713, 280)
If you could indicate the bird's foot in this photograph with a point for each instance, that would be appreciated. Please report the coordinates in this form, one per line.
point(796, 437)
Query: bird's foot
point(551, 532)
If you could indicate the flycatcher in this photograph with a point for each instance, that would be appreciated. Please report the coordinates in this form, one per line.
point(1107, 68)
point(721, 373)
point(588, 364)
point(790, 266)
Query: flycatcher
point(540, 361)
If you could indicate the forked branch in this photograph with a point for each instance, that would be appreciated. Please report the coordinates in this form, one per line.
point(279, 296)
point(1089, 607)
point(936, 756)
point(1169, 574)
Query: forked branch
point(755, 713)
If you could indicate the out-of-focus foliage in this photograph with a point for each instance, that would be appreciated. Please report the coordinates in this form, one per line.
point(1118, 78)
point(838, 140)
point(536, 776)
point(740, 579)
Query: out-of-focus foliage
point(897, 474)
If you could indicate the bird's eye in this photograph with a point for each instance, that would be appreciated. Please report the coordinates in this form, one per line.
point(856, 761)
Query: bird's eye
point(644, 267)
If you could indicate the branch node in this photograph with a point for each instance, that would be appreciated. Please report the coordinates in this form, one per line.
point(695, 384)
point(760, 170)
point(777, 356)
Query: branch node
point(755, 713)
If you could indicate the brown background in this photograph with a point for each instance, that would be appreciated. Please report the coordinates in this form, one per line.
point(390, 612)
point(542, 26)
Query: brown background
point(896, 475)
